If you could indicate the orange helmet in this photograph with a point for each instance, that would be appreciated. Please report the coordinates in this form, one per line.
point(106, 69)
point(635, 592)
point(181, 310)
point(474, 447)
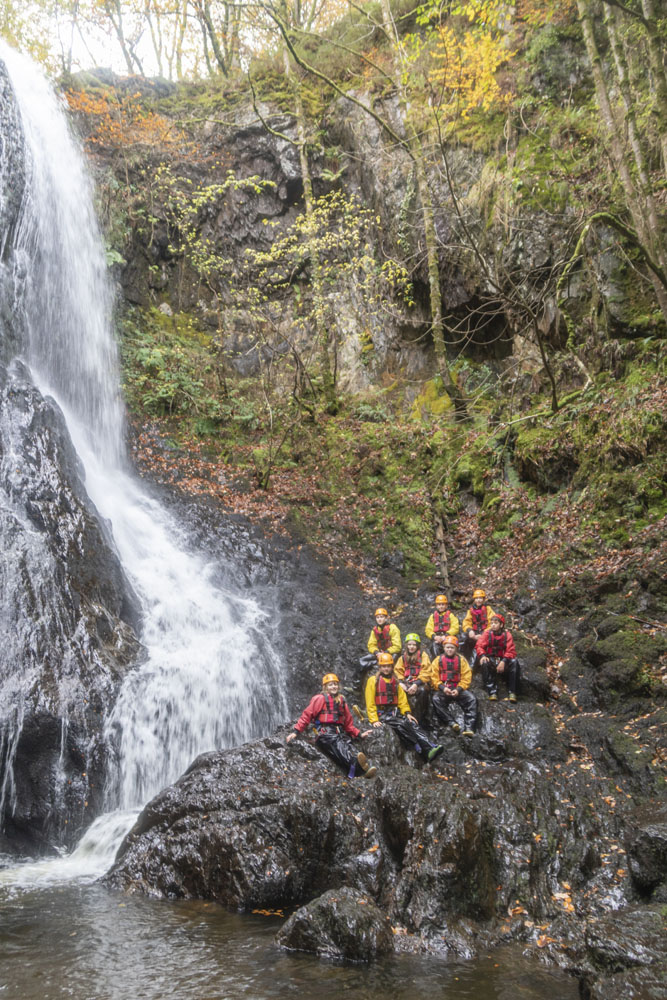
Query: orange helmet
point(441, 599)
point(329, 679)
point(478, 593)
point(450, 640)
point(381, 611)
point(384, 659)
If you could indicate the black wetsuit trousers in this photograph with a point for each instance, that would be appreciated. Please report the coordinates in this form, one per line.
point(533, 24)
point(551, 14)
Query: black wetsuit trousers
point(491, 675)
point(339, 748)
point(409, 732)
point(467, 702)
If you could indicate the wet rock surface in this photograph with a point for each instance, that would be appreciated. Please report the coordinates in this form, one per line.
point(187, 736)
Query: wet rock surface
point(342, 923)
point(462, 855)
point(69, 618)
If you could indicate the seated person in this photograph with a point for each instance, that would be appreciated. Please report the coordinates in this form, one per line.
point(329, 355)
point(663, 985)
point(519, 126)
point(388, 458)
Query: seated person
point(441, 623)
point(478, 618)
point(497, 657)
point(385, 637)
point(387, 705)
point(329, 714)
point(413, 669)
point(450, 677)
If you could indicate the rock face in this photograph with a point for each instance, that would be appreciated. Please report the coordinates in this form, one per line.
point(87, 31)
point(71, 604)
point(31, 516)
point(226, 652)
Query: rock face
point(342, 923)
point(67, 624)
point(460, 855)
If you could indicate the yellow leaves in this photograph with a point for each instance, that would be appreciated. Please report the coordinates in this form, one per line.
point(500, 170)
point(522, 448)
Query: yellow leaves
point(269, 913)
point(373, 849)
point(465, 70)
point(544, 940)
point(565, 899)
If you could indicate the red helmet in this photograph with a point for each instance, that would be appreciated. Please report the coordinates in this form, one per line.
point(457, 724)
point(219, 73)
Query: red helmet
point(500, 618)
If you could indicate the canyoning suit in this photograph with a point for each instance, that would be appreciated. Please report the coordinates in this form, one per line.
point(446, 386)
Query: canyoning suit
point(441, 624)
point(453, 674)
point(333, 723)
point(411, 670)
point(385, 640)
point(387, 702)
point(477, 619)
point(498, 646)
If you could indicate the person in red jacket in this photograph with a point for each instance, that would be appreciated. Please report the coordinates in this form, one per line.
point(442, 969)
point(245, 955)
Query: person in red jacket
point(329, 714)
point(497, 656)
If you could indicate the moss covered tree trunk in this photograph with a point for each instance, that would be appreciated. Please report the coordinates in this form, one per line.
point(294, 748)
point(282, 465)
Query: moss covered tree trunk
point(636, 203)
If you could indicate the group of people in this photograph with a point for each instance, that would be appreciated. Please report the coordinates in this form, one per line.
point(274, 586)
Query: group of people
point(407, 682)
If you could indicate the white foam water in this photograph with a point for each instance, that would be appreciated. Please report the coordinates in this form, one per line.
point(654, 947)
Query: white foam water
point(208, 670)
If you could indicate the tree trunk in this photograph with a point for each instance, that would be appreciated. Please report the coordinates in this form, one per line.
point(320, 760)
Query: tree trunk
point(321, 328)
point(633, 199)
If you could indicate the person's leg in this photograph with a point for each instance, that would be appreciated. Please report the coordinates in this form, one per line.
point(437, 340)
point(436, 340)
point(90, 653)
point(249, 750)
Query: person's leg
point(490, 678)
point(339, 749)
point(468, 703)
point(441, 707)
point(512, 672)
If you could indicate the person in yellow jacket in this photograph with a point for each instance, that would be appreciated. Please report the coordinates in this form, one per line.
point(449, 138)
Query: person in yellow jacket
point(451, 677)
point(387, 705)
point(413, 669)
point(441, 623)
point(385, 636)
point(477, 620)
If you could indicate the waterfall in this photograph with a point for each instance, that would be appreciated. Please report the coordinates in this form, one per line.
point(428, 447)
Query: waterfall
point(209, 678)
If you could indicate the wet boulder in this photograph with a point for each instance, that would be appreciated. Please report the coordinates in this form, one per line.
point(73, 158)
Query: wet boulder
point(69, 627)
point(646, 847)
point(632, 937)
point(637, 984)
point(342, 923)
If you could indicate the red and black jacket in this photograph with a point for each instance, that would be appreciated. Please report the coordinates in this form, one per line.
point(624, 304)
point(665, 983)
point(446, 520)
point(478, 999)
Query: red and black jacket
point(412, 667)
point(449, 670)
point(441, 622)
point(386, 691)
point(480, 618)
point(383, 636)
point(324, 711)
point(499, 645)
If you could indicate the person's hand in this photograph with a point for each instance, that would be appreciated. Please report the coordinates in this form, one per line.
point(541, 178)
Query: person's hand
point(377, 724)
point(501, 667)
point(484, 660)
point(367, 732)
point(290, 737)
point(411, 717)
point(412, 689)
point(455, 692)
point(471, 633)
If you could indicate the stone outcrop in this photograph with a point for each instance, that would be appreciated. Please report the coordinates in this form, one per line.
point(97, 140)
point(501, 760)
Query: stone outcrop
point(68, 627)
point(342, 923)
point(508, 837)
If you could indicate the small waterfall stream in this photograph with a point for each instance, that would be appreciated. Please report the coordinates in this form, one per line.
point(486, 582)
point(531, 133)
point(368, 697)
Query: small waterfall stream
point(197, 688)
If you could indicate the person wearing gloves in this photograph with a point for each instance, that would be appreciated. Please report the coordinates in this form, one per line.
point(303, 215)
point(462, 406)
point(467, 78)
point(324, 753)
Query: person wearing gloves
point(332, 720)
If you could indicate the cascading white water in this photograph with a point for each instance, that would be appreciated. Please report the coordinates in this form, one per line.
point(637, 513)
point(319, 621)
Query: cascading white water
point(198, 688)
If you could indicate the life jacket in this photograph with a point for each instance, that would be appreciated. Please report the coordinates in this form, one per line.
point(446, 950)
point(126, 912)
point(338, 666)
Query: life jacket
point(496, 643)
point(412, 667)
point(383, 637)
point(441, 622)
point(449, 668)
point(332, 712)
point(480, 619)
point(386, 691)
